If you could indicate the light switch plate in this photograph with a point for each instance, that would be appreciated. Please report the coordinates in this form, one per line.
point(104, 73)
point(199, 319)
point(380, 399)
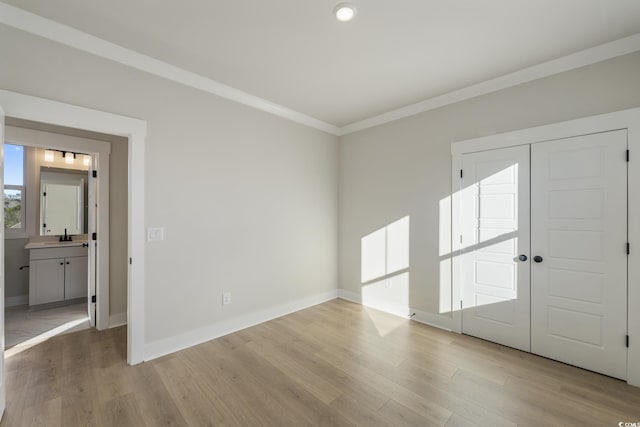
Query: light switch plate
point(226, 298)
point(155, 234)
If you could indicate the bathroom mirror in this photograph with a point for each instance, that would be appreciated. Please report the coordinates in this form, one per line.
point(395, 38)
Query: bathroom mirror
point(62, 202)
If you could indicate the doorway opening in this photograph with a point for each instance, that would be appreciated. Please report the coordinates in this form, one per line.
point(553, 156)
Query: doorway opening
point(73, 180)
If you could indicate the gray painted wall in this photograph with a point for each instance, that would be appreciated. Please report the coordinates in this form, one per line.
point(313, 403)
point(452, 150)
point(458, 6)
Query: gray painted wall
point(15, 256)
point(248, 200)
point(404, 167)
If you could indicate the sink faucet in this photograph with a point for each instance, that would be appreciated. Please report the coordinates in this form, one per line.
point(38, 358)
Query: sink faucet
point(66, 237)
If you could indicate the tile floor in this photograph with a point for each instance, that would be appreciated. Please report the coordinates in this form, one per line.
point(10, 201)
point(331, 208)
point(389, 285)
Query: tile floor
point(24, 326)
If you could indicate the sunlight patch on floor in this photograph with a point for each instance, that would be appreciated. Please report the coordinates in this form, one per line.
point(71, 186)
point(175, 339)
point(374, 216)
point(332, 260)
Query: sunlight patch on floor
point(385, 323)
point(43, 337)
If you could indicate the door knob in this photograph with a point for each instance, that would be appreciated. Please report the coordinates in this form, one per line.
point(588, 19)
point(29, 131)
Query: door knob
point(537, 258)
point(523, 258)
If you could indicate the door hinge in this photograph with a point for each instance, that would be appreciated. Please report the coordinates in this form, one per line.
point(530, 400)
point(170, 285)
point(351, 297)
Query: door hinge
point(94, 236)
point(94, 173)
point(44, 194)
point(627, 155)
point(627, 341)
point(460, 304)
point(93, 298)
point(628, 248)
point(460, 173)
point(130, 260)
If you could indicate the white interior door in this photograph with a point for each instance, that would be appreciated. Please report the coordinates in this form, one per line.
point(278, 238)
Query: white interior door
point(92, 216)
point(2, 376)
point(579, 229)
point(495, 232)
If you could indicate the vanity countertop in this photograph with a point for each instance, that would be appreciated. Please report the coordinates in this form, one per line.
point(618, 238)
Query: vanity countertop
point(54, 244)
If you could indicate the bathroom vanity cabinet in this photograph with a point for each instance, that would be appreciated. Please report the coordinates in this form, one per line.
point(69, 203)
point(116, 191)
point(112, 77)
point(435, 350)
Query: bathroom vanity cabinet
point(57, 272)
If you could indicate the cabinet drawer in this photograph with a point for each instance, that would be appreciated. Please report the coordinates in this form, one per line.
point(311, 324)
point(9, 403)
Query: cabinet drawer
point(48, 253)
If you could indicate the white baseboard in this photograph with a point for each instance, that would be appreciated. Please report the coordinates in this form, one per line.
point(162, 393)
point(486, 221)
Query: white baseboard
point(431, 319)
point(17, 300)
point(189, 339)
point(117, 319)
point(397, 310)
point(349, 296)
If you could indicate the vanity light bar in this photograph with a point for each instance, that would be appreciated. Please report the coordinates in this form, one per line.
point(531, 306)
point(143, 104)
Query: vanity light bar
point(68, 156)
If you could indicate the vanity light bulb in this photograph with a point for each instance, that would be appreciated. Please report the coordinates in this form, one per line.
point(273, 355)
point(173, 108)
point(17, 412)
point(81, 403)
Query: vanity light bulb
point(86, 160)
point(68, 158)
point(48, 156)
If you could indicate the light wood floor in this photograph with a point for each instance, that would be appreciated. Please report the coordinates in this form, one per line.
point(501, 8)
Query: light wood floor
point(333, 364)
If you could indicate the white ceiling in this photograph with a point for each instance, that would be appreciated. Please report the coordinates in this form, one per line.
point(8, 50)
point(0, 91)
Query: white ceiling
point(395, 53)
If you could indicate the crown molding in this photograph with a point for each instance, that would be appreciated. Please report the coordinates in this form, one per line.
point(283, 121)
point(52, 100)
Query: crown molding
point(579, 59)
point(55, 31)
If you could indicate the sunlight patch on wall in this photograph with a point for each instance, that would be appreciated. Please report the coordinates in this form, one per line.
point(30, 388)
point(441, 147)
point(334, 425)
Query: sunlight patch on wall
point(385, 264)
point(374, 255)
point(444, 251)
point(385, 251)
point(390, 294)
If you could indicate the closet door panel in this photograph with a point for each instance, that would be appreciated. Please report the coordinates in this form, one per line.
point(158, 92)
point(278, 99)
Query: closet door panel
point(579, 231)
point(495, 230)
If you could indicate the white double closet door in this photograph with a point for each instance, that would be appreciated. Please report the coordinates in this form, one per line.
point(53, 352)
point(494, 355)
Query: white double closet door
point(544, 261)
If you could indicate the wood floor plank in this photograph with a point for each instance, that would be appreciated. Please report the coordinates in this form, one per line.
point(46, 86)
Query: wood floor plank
point(399, 415)
point(253, 397)
point(430, 411)
point(44, 414)
point(301, 406)
point(123, 411)
point(195, 406)
point(458, 421)
point(80, 410)
point(218, 388)
point(313, 383)
point(358, 414)
point(111, 382)
point(153, 398)
point(335, 364)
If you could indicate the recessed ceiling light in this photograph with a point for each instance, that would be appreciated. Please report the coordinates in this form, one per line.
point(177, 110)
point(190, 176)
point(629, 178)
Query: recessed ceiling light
point(345, 12)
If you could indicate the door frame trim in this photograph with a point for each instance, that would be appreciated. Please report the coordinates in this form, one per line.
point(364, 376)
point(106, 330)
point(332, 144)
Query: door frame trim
point(625, 119)
point(43, 110)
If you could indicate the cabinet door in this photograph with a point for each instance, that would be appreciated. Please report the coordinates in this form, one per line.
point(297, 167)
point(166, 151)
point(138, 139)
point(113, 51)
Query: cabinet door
point(76, 277)
point(46, 281)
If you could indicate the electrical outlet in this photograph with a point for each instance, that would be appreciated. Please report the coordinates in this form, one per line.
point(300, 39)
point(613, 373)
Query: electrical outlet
point(226, 298)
